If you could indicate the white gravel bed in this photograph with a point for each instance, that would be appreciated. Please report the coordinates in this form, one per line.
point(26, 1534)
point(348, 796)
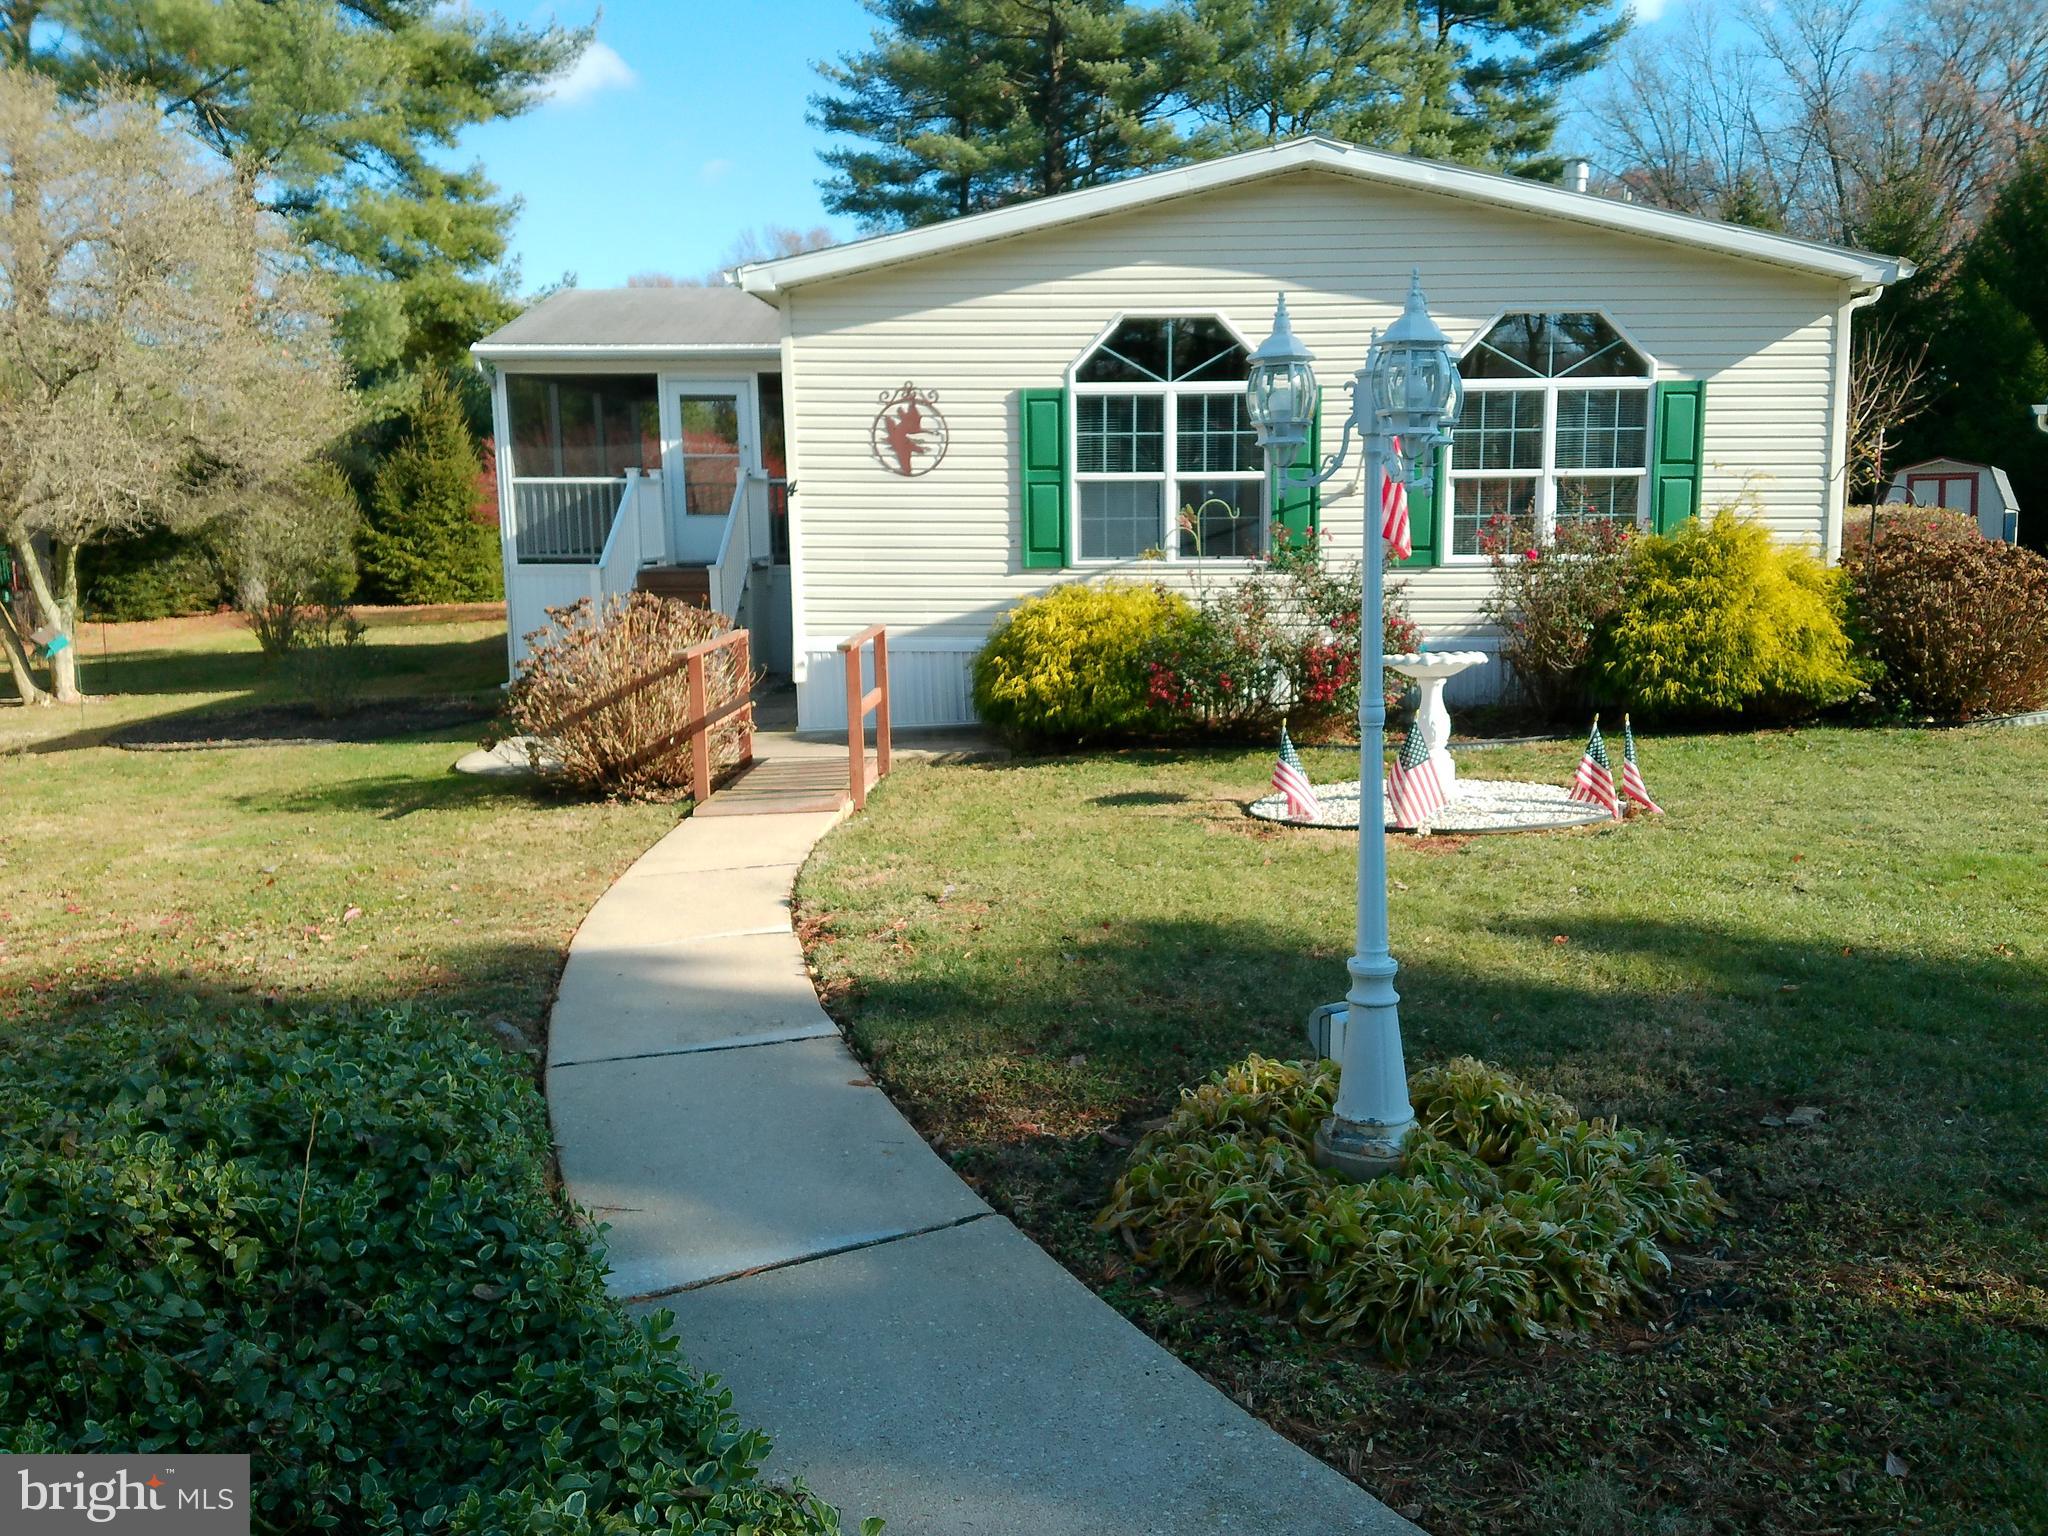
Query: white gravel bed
point(1479, 805)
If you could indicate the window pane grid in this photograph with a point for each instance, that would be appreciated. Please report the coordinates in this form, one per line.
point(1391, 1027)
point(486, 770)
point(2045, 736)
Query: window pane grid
point(1214, 432)
point(1120, 519)
point(1602, 428)
point(1120, 434)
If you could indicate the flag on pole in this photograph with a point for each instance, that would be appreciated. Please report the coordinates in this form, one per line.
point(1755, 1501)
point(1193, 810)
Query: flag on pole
point(1415, 789)
point(1394, 511)
point(1593, 784)
point(1291, 779)
point(1631, 776)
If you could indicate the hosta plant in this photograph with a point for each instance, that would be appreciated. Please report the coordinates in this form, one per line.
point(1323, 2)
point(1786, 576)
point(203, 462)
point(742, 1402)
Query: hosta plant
point(1509, 1218)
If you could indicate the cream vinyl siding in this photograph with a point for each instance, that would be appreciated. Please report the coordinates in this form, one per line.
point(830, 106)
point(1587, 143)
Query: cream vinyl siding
point(936, 557)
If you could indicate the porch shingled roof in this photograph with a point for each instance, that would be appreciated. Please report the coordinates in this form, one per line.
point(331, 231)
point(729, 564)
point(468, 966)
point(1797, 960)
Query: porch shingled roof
point(626, 320)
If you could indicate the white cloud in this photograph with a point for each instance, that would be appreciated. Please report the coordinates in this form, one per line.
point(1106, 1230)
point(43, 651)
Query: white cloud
point(597, 71)
point(712, 172)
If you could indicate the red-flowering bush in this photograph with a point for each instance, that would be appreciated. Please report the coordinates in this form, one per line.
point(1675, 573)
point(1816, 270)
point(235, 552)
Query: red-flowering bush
point(1958, 622)
point(1550, 603)
point(1278, 642)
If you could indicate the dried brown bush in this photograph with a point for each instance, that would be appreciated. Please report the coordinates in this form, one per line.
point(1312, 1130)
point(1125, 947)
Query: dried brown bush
point(591, 653)
point(1958, 621)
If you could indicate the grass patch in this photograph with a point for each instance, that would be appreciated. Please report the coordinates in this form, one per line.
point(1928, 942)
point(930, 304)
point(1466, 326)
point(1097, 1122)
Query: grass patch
point(1039, 957)
point(269, 1026)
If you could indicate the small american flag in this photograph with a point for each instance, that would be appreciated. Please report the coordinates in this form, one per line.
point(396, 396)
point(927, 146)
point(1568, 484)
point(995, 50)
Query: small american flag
point(1291, 779)
point(1414, 787)
point(1394, 512)
point(1593, 784)
point(1631, 776)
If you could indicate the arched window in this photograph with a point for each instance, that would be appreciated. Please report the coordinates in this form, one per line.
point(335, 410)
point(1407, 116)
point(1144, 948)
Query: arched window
point(1555, 429)
point(1165, 458)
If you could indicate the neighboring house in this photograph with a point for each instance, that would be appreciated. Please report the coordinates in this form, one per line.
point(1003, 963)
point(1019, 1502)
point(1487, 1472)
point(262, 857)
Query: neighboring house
point(1980, 490)
point(968, 413)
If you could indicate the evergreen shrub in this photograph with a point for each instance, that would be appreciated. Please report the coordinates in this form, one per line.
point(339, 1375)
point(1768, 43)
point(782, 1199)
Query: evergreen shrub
point(1719, 619)
point(155, 575)
point(1956, 623)
point(1510, 1218)
point(1070, 665)
point(329, 1240)
point(424, 539)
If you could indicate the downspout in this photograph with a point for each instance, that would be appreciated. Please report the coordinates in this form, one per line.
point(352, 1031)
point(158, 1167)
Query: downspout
point(1838, 425)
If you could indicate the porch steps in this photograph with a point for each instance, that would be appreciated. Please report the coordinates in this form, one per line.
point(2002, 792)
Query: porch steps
point(688, 583)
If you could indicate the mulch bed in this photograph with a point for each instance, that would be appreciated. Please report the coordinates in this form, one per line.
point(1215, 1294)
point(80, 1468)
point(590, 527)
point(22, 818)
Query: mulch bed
point(278, 725)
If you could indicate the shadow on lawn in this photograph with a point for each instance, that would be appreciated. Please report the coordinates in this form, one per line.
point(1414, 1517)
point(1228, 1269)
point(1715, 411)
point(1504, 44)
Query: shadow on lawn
point(1930, 1070)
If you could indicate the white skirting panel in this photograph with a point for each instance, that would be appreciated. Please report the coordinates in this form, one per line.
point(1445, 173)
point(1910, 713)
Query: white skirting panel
point(931, 684)
point(531, 590)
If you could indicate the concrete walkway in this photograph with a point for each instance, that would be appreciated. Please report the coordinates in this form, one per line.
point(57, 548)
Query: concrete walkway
point(911, 1354)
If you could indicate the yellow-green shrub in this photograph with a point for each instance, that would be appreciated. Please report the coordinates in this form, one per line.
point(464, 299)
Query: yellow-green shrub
point(1510, 1216)
point(1721, 619)
point(1070, 665)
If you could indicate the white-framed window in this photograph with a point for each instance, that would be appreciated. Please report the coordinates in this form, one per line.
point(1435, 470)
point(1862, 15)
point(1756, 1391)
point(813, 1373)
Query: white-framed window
point(1556, 428)
point(1165, 458)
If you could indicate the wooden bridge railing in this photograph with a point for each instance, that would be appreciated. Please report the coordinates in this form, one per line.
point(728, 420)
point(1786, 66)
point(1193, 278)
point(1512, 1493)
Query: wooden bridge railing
point(857, 706)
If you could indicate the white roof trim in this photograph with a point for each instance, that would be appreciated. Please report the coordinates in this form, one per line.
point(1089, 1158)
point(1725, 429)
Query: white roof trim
point(768, 278)
point(544, 352)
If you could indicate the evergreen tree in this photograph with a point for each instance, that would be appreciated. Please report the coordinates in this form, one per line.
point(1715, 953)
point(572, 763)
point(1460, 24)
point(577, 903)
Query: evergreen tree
point(1356, 70)
point(1509, 61)
point(422, 541)
point(332, 112)
point(965, 105)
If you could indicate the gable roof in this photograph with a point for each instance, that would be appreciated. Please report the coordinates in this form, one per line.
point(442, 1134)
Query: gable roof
point(1860, 268)
point(624, 321)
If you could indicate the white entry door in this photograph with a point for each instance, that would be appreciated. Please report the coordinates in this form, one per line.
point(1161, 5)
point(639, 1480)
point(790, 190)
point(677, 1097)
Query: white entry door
point(707, 429)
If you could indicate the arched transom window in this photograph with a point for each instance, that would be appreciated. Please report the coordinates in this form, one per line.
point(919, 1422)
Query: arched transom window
point(1165, 458)
point(1555, 429)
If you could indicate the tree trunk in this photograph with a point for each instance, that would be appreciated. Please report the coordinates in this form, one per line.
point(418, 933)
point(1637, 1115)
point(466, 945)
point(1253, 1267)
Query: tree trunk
point(59, 617)
point(25, 682)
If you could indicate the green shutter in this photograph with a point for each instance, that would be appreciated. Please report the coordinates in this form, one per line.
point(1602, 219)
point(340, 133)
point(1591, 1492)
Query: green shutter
point(1298, 508)
point(1042, 423)
point(1678, 414)
point(1429, 515)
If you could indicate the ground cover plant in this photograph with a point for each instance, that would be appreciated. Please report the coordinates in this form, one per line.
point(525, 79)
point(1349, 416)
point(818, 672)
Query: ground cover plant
point(1824, 972)
point(1510, 1216)
point(239, 984)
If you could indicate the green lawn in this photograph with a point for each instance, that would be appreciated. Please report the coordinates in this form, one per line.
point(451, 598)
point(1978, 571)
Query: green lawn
point(355, 873)
point(1037, 956)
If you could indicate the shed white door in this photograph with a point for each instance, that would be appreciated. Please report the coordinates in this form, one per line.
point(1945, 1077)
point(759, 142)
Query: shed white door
point(707, 449)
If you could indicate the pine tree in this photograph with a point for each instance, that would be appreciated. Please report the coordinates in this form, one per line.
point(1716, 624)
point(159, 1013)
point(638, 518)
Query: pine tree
point(1356, 70)
point(966, 105)
point(1509, 61)
point(335, 113)
point(422, 542)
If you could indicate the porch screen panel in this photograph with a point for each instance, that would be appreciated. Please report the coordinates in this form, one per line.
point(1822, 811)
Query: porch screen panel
point(573, 437)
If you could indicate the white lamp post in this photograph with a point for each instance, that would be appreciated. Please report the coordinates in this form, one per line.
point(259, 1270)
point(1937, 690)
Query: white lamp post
point(1409, 389)
point(2041, 417)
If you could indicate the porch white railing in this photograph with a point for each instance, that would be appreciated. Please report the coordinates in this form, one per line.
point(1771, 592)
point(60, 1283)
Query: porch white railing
point(728, 571)
point(564, 522)
point(625, 546)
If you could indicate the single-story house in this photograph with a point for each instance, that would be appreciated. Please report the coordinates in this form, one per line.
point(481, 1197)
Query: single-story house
point(920, 429)
point(1961, 485)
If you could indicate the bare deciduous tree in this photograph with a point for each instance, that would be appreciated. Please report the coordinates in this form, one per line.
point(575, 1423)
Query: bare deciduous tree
point(1887, 379)
point(764, 244)
point(164, 348)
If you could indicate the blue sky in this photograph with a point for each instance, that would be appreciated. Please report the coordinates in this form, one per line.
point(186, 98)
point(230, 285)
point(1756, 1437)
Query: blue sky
point(682, 128)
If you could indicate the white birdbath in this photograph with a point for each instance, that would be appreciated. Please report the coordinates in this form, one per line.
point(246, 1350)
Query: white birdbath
point(1431, 670)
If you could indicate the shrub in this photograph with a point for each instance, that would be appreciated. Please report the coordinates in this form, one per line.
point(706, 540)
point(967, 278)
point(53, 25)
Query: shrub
point(329, 1240)
point(155, 575)
point(1069, 665)
point(1278, 641)
point(1550, 605)
point(1958, 623)
point(631, 746)
point(424, 540)
point(291, 553)
point(327, 662)
point(1719, 619)
point(1509, 1218)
